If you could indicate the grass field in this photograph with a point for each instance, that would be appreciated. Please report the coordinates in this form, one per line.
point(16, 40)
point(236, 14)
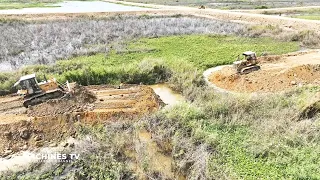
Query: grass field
point(137, 61)
point(25, 43)
point(234, 4)
point(310, 17)
point(24, 4)
point(310, 14)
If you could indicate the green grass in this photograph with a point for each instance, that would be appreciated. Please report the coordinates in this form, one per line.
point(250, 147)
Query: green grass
point(4, 6)
point(250, 139)
point(208, 51)
point(309, 17)
point(146, 58)
point(152, 60)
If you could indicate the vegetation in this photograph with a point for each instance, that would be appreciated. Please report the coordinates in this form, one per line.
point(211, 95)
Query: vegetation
point(151, 60)
point(234, 4)
point(307, 13)
point(45, 42)
point(211, 136)
point(23, 5)
point(310, 17)
point(242, 137)
point(19, 4)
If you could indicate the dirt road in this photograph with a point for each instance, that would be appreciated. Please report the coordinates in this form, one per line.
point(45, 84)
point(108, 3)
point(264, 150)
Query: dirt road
point(241, 17)
point(277, 10)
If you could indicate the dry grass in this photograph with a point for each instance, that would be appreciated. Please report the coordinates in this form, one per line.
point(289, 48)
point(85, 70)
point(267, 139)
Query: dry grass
point(45, 42)
point(309, 39)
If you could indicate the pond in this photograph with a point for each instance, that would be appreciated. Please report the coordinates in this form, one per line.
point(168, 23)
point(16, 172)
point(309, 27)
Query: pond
point(75, 7)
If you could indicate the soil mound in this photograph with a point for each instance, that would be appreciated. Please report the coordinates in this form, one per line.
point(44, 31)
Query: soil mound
point(268, 79)
point(55, 119)
point(78, 101)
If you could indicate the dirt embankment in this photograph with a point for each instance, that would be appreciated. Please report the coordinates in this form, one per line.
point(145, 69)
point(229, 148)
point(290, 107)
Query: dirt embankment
point(278, 73)
point(78, 101)
point(52, 121)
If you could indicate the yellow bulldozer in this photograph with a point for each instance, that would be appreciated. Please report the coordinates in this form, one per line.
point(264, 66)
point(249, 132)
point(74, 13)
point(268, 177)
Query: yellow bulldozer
point(35, 93)
point(248, 64)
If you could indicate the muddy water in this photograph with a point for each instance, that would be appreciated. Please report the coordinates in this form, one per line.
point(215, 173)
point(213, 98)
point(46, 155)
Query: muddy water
point(24, 159)
point(166, 94)
point(158, 161)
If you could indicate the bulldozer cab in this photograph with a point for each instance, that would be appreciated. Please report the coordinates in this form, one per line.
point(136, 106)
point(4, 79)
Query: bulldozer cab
point(247, 65)
point(29, 84)
point(250, 56)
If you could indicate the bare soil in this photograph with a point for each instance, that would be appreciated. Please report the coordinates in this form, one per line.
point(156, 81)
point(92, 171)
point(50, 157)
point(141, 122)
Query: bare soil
point(79, 101)
point(57, 119)
point(278, 73)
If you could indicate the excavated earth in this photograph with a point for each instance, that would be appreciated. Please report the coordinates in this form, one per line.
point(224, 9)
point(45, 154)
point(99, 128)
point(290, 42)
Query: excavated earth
point(278, 73)
point(54, 120)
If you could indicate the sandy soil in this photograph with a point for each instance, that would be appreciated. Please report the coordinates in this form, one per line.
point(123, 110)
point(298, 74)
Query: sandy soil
point(278, 73)
point(55, 120)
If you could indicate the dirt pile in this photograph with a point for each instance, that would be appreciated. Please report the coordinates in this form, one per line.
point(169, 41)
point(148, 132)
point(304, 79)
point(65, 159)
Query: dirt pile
point(78, 101)
point(278, 73)
point(124, 103)
point(52, 121)
point(267, 80)
point(11, 105)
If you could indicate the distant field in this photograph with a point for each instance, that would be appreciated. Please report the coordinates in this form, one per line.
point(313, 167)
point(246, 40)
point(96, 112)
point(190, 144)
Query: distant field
point(43, 43)
point(234, 4)
point(307, 13)
point(23, 5)
point(310, 17)
point(19, 4)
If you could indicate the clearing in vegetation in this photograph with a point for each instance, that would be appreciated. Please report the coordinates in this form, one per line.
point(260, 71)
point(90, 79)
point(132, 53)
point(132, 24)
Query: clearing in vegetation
point(56, 119)
point(278, 73)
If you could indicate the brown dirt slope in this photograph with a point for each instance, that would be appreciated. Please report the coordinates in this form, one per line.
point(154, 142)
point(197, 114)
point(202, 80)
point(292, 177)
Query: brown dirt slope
point(79, 100)
point(57, 119)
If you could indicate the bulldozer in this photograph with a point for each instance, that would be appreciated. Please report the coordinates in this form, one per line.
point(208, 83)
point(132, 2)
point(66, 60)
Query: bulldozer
point(35, 93)
point(249, 64)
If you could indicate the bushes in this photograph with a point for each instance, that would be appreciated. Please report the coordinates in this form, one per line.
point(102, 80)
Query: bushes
point(46, 42)
point(178, 58)
point(126, 74)
point(239, 136)
point(306, 38)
